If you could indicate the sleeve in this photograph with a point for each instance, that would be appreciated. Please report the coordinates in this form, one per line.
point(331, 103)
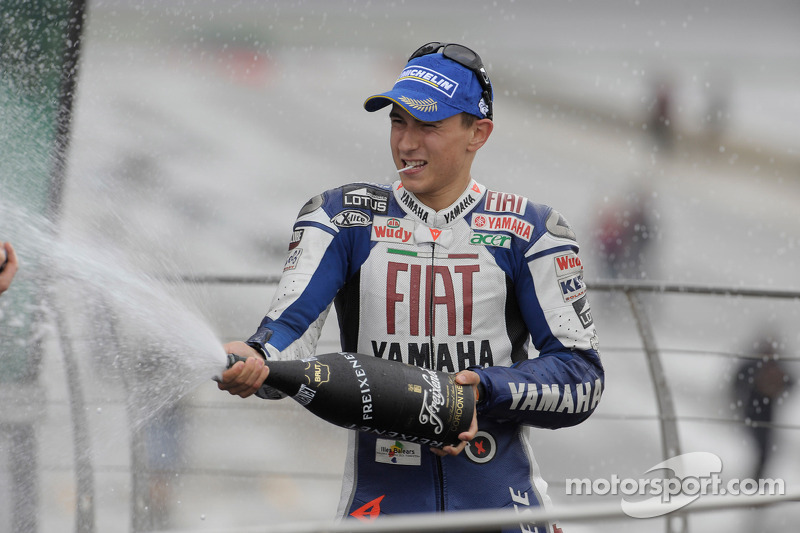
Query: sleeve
point(562, 385)
point(315, 269)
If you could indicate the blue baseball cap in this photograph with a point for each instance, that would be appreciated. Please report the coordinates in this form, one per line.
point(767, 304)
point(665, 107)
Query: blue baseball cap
point(431, 88)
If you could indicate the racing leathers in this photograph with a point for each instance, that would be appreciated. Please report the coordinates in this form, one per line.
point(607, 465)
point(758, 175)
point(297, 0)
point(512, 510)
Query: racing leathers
point(466, 287)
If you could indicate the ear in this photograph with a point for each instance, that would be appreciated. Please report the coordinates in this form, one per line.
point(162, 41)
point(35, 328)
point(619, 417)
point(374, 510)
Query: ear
point(481, 130)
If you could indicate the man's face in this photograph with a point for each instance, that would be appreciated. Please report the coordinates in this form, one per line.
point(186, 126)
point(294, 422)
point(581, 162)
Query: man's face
point(440, 152)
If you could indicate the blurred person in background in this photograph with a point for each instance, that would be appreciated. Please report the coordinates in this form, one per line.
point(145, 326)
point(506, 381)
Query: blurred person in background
point(760, 384)
point(660, 121)
point(717, 113)
point(8, 265)
point(439, 271)
point(626, 236)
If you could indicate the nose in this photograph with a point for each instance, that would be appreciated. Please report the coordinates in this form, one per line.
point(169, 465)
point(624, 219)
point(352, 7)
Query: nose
point(408, 139)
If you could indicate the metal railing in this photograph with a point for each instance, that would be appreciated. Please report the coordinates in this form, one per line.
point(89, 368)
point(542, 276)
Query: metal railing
point(667, 416)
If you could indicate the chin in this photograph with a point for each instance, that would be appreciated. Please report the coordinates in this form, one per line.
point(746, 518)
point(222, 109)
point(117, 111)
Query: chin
point(412, 183)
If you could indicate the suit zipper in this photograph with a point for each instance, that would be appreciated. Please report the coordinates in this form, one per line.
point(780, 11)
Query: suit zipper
point(431, 320)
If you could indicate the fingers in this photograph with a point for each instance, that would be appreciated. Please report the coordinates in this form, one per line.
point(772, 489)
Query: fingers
point(12, 255)
point(465, 377)
point(464, 437)
point(450, 450)
point(9, 261)
point(244, 378)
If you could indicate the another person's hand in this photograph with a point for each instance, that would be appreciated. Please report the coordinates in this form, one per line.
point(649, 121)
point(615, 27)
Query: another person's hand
point(8, 260)
point(465, 377)
point(244, 378)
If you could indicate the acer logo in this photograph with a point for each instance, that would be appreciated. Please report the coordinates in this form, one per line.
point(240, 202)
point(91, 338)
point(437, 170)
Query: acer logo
point(490, 239)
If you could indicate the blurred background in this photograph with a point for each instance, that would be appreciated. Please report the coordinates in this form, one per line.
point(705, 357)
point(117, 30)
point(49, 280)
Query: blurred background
point(668, 134)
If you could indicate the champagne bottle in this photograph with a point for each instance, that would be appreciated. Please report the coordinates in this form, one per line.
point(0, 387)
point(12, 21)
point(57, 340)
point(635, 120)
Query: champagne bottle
point(370, 394)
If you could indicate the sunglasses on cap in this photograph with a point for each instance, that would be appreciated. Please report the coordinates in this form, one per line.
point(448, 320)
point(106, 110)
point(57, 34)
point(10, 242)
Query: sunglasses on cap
point(464, 57)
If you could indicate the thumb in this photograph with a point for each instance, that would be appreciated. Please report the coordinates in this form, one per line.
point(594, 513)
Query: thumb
point(467, 377)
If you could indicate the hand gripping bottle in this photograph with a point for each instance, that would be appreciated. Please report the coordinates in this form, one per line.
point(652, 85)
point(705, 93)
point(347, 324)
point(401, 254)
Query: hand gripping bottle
point(376, 395)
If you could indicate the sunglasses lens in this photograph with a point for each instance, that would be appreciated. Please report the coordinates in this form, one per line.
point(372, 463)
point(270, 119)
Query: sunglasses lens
point(463, 55)
point(426, 49)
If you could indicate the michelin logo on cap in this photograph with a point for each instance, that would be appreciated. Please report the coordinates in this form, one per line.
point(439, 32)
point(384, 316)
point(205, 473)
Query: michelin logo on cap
point(432, 88)
point(430, 77)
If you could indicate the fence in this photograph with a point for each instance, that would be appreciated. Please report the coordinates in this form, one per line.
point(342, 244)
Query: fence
point(644, 303)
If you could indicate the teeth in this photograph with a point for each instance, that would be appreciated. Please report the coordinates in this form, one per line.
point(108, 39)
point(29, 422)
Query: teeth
point(411, 164)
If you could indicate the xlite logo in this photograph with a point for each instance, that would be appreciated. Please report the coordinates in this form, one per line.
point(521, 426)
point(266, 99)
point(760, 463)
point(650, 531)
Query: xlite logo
point(351, 218)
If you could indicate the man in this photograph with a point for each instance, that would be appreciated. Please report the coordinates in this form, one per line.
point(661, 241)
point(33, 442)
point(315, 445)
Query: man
point(8, 265)
point(759, 388)
point(438, 271)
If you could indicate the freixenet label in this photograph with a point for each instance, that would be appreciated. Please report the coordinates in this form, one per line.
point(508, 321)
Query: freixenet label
point(433, 400)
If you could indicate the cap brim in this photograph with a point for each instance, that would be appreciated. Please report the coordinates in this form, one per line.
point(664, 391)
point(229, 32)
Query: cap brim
point(418, 105)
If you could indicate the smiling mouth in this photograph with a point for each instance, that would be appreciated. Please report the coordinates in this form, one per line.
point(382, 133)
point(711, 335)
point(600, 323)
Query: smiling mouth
point(410, 165)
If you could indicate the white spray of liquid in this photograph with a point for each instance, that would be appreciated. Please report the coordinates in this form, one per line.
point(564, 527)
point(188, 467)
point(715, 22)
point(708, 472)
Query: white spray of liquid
point(123, 316)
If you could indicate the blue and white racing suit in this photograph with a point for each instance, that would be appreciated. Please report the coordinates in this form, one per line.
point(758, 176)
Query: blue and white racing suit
point(463, 288)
